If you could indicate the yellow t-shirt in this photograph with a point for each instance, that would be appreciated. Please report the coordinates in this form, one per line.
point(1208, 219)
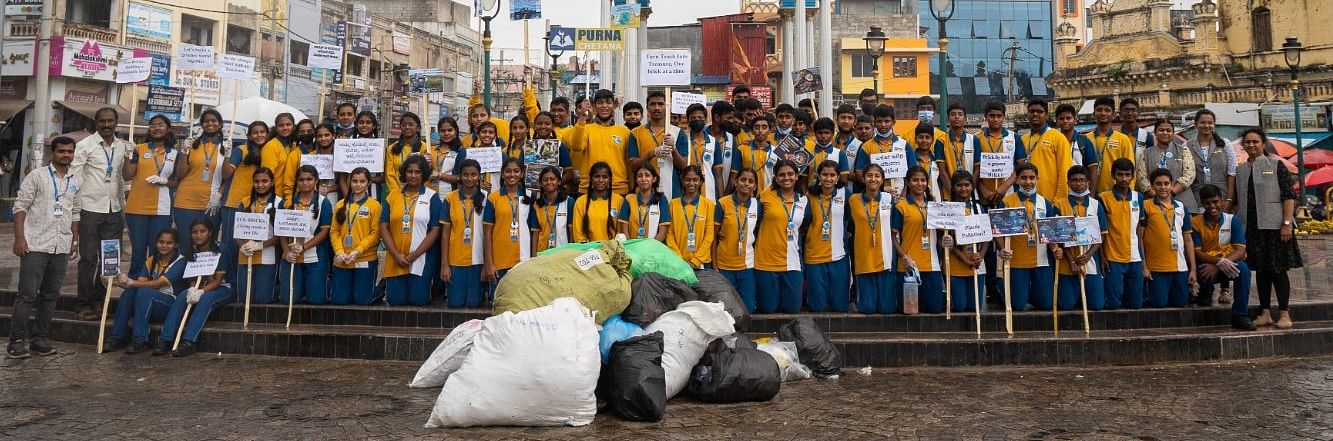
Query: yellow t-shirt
point(149, 199)
point(598, 143)
point(1028, 251)
point(910, 226)
point(359, 229)
point(503, 210)
point(1165, 230)
point(697, 222)
point(778, 248)
point(598, 218)
point(197, 186)
point(462, 217)
point(872, 223)
point(392, 162)
point(283, 161)
point(242, 180)
point(736, 233)
point(1111, 147)
point(1123, 216)
point(421, 209)
point(1049, 151)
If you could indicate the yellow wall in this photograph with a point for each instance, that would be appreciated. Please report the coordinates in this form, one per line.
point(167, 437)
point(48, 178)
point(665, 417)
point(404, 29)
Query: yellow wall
point(888, 85)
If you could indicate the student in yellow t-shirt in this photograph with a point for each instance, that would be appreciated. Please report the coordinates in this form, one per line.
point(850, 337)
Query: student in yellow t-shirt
point(150, 170)
point(409, 228)
point(916, 244)
point(778, 276)
point(356, 234)
point(691, 236)
point(828, 273)
point(967, 262)
point(259, 272)
point(1111, 144)
point(310, 255)
point(199, 173)
point(755, 154)
point(647, 210)
point(282, 155)
point(507, 209)
point(410, 142)
point(1031, 277)
point(599, 214)
point(997, 139)
point(461, 239)
point(737, 219)
point(1219, 250)
point(1083, 262)
point(485, 138)
point(1049, 151)
point(1168, 253)
point(549, 218)
point(1121, 249)
point(600, 139)
point(870, 219)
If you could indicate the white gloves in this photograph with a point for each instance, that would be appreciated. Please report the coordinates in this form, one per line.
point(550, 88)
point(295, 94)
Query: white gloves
point(193, 295)
point(251, 247)
point(947, 241)
point(156, 180)
point(1228, 267)
point(214, 202)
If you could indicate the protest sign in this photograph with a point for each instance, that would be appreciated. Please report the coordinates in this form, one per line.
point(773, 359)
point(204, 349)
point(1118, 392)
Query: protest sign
point(291, 223)
point(997, 165)
point(322, 163)
point(537, 155)
point(973, 229)
point(1089, 231)
point(1056, 230)
point(364, 152)
point(893, 162)
point(665, 67)
point(807, 80)
point(327, 56)
point(250, 226)
point(204, 265)
point(236, 67)
point(134, 70)
point(1009, 222)
point(490, 158)
point(680, 101)
point(944, 215)
point(110, 258)
point(191, 57)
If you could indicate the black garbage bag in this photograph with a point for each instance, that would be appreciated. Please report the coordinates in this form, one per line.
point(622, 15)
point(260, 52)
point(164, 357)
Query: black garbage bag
point(738, 341)
point(651, 295)
point(726, 375)
point(633, 383)
point(712, 287)
point(815, 349)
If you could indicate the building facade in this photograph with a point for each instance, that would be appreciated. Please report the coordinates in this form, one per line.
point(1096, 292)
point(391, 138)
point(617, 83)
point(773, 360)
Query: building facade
point(998, 50)
point(904, 73)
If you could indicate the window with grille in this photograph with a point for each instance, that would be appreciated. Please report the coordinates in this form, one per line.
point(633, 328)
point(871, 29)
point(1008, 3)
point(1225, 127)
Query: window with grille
point(904, 67)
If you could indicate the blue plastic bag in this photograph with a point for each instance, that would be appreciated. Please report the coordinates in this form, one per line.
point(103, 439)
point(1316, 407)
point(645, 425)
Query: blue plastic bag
point(613, 330)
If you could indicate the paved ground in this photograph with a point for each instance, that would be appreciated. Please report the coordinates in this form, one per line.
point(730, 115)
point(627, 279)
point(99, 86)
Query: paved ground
point(80, 395)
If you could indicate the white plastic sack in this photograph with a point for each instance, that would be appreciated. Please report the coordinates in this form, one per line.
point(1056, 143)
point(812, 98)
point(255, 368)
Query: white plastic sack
point(533, 368)
point(789, 363)
point(448, 356)
point(686, 333)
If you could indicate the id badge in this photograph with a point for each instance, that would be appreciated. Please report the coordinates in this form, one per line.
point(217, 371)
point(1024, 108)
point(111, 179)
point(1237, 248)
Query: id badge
point(59, 211)
point(641, 232)
point(791, 231)
point(825, 231)
point(925, 242)
point(513, 231)
point(1032, 240)
point(689, 241)
point(348, 242)
point(205, 176)
point(407, 223)
point(108, 177)
point(550, 241)
point(1175, 241)
point(467, 236)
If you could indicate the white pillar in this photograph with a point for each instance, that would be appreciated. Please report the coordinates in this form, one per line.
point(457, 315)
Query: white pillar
point(826, 57)
point(802, 39)
point(788, 60)
point(642, 42)
point(631, 86)
point(605, 61)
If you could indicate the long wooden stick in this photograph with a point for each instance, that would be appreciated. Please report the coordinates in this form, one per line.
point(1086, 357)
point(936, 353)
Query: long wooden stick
point(1055, 301)
point(976, 295)
point(249, 288)
point(188, 306)
point(134, 108)
point(948, 282)
point(106, 304)
point(1008, 291)
point(1083, 294)
point(323, 90)
point(291, 289)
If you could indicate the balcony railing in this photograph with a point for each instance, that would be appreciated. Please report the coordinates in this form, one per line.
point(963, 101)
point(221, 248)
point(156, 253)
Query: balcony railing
point(148, 44)
point(23, 29)
point(89, 32)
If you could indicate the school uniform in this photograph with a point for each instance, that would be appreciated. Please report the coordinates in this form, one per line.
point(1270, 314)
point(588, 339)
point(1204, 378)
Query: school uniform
point(1123, 253)
point(194, 324)
point(506, 212)
point(726, 149)
point(643, 143)
point(1165, 230)
point(870, 221)
point(1031, 277)
point(260, 268)
point(1220, 240)
point(1110, 147)
point(461, 216)
point(409, 219)
point(933, 170)
point(204, 179)
point(958, 153)
point(598, 143)
point(148, 206)
point(492, 177)
point(831, 153)
point(705, 153)
point(778, 277)
point(1049, 151)
point(145, 305)
point(550, 221)
point(919, 242)
point(359, 231)
point(961, 275)
point(760, 159)
point(645, 217)
point(598, 218)
point(311, 276)
point(392, 181)
point(1142, 137)
point(444, 158)
point(284, 160)
point(828, 272)
point(737, 228)
point(1093, 285)
point(1003, 141)
point(691, 236)
point(1082, 150)
point(877, 151)
point(242, 181)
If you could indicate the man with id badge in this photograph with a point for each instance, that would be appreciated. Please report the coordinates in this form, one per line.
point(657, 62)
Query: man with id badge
point(46, 238)
point(98, 167)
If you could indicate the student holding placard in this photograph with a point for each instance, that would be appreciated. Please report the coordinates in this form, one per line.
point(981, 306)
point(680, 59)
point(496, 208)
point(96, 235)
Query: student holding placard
point(150, 169)
point(691, 236)
point(331, 185)
point(699, 148)
point(148, 296)
point(544, 127)
point(240, 169)
point(409, 228)
point(261, 270)
point(1123, 253)
point(647, 210)
point(737, 220)
point(997, 141)
point(778, 276)
point(461, 239)
point(827, 272)
point(368, 127)
point(924, 146)
point(1081, 257)
point(599, 214)
point(312, 254)
point(757, 153)
point(1219, 250)
point(966, 263)
point(199, 172)
point(485, 139)
point(549, 218)
point(870, 218)
point(652, 145)
point(410, 142)
point(356, 233)
point(281, 154)
point(1168, 254)
point(446, 156)
point(205, 294)
point(1031, 276)
point(507, 243)
point(916, 244)
point(886, 147)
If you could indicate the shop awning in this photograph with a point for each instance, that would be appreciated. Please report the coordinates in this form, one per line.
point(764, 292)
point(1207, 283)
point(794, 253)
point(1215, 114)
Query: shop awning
point(10, 108)
point(90, 110)
point(1308, 139)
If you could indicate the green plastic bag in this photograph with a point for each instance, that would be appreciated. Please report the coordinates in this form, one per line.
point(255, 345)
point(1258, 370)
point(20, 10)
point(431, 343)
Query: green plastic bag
point(648, 256)
point(598, 278)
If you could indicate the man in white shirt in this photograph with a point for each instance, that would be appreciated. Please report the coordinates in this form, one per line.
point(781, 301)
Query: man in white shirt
point(46, 234)
point(98, 168)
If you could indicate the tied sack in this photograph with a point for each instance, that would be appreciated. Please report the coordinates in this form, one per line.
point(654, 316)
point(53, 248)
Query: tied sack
point(734, 375)
point(448, 356)
point(598, 278)
point(686, 333)
point(532, 368)
point(633, 383)
point(652, 295)
point(648, 255)
point(814, 348)
point(713, 287)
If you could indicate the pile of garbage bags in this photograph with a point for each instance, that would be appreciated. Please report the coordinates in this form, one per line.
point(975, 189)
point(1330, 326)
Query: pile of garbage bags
point(618, 326)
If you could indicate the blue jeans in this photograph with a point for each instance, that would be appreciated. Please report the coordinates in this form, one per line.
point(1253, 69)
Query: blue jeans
point(743, 281)
point(143, 237)
point(1240, 299)
point(465, 288)
point(877, 293)
point(194, 324)
point(778, 290)
point(261, 283)
point(140, 305)
point(964, 298)
point(930, 295)
point(828, 285)
point(1168, 289)
point(354, 285)
point(1124, 285)
point(1093, 286)
point(1031, 285)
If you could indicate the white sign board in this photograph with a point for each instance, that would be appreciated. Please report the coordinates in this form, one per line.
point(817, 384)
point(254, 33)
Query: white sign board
point(893, 162)
point(973, 229)
point(997, 165)
point(236, 67)
point(944, 215)
point(291, 223)
point(352, 153)
point(680, 101)
point(490, 158)
point(1089, 231)
point(251, 226)
point(326, 56)
point(322, 163)
point(134, 70)
point(191, 57)
point(665, 67)
point(204, 265)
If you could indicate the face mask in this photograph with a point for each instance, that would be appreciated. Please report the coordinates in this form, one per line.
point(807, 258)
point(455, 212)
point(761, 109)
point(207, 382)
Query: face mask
point(731, 128)
point(696, 126)
point(925, 116)
point(1080, 194)
point(305, 139)
point(883, 134)
point(342, 128)
point(1028, 193)
point(632, 125)
point(783, 132)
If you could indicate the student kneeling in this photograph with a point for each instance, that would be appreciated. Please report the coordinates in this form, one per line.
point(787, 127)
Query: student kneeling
point(148, 296)
point(1219, 251)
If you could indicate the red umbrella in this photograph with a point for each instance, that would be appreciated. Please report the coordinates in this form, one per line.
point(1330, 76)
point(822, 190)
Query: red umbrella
point(1242, 157)
point(1284, 149)
point(1319, 177)
point(1318, 158)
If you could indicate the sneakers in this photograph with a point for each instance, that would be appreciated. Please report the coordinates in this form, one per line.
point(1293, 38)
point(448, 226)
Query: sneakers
point(1242, 323)
point(161, 348)
point(136, 347)
point(1284, 320)
point(186, 349)
point(18, 349)
point(113, 345)
point(1265, 318)
point(42, 349)
point(1225, 296)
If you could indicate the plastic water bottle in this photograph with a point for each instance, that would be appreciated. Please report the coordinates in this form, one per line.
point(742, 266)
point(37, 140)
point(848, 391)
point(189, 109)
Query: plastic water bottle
point(911, 288)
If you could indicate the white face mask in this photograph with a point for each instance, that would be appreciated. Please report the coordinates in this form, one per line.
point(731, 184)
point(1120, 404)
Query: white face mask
point(1027, 193)
point(925, 116)
point(883, 134)
point(1080, 194)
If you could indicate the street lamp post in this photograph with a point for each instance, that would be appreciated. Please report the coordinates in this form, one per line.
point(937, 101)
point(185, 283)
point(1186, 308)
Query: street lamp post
point(942, 10)
point(875, 47)
point(489, 10)
point(555, 62)
point(1291, 50)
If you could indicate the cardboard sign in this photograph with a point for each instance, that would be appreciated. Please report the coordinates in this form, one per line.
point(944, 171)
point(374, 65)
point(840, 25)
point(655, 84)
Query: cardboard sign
point(893, 162)
point(1089, 231)
point(1056, 230)
point(236, 67)
point(251, 226)
point(944, 215)
point(352, 153)
point(1008, 222)
point(191, 57)
point(490, 158)
point(291, 223)
point(134, 70)
point(680, 101)
point(665, 67)
point(326, 56)
point(204, 265)
point(997, 165)
point(110, 258)
point(322, 163)
point(973, 229)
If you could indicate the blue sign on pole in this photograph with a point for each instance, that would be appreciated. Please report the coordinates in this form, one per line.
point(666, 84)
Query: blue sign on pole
point(562, 38)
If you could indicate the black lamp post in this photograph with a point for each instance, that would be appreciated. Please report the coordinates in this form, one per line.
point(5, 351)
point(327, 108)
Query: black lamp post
point(1291, 50)
point(942, 10)
point(489, 10)
point(875, 47)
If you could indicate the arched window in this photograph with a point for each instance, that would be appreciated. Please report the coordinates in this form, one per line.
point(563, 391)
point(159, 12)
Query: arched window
point(1262, 29)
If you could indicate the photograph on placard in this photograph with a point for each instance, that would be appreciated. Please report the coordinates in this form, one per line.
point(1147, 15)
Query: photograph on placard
point(1056, 230)
point(1008, 221)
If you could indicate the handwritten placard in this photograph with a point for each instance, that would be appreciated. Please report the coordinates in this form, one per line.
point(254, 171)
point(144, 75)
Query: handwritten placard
point(291, 223)
point(326, 56)
point(191, 57)
point(134, 70)
point(944, 215)
point(665, 67)
point(1056, 230)
point(893, 162)
point(322, 163)
point(1008, 222)
point(997, 165)
point(680, 101)
point(352, 153)
point(1089, 231)
point(251, 226)
point(204, 265)
point(236, 67)
point(973, 229)
point(490, 158)
point(110, 258)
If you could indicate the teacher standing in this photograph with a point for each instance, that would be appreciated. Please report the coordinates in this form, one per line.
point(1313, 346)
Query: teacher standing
point(1266, 203)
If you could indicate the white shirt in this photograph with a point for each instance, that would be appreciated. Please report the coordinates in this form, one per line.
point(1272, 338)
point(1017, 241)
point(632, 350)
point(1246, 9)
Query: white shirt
point(44, 231)
point(94, 161)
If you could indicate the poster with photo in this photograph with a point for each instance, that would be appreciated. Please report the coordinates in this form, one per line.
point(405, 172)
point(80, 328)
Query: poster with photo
point(1008, 222)
point(1056, 230)
point(537, 155)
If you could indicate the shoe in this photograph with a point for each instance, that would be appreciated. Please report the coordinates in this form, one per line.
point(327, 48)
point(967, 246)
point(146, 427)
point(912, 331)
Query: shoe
point(186, 349)
point(161, 348)
point(1224, 297)
point(18, 349)
point(1242, 323)
point(42, 349)
point(113, 345)
point(136, 347)
point(1265, 318)
point(1284, 320)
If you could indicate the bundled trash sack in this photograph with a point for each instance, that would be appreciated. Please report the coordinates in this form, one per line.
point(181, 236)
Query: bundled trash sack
point(712, 287)
point(685, 334)
point(738, 340)
point(615, 329)
point(649, 256)
point(788, 359)
point(815, 349)
point(633, 383)
point(734, 375)
point(599, 278)
point(652, 295)
point(448, 356)
point(532, 368)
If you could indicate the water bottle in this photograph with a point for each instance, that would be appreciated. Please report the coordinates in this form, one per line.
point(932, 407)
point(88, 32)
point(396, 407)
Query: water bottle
point(911, 289)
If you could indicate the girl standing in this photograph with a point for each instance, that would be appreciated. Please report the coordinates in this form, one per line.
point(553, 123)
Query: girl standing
point(916, 243)
point(461, 241)
point(598, 214)
point(549, 219)
point(409, 229)
point(356, 232)
point(199, 173)
point(506, 243)
point(543, 127)
point(409, 143)
point(282, 155)
point(485, 139)
point(870, 217)
point(1168, 253)
point(311, 256)
point(967, 263)
point(331, 188)
point(828, 275)
point(240, 169)
point(206, 297)
point(261, 270)
point(148, 296)
point(737, 219)
point(647, 209)
point(150, 169)
point(692, 236)
point(519, 132)
point(1031, 276)
point(346, 123)
point(778, 248)
point(446, 156)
